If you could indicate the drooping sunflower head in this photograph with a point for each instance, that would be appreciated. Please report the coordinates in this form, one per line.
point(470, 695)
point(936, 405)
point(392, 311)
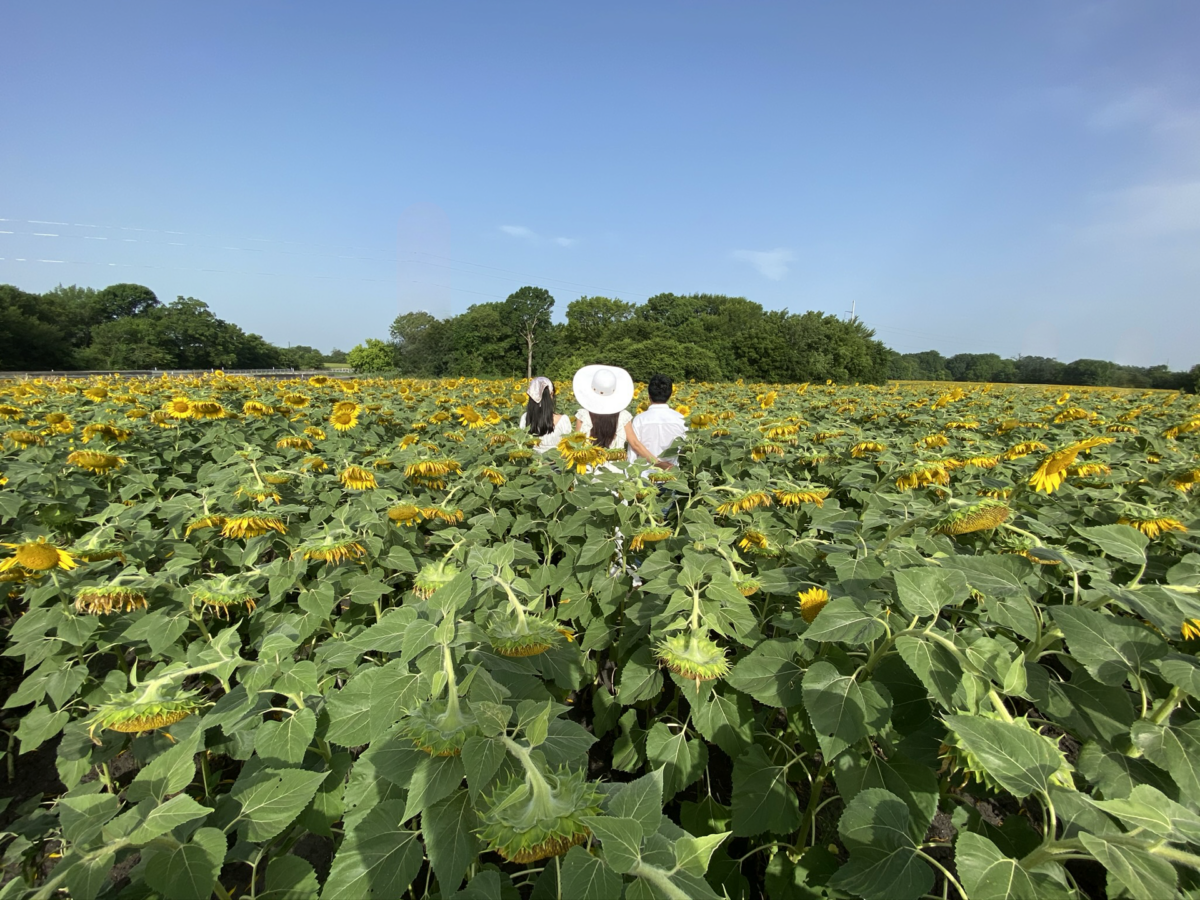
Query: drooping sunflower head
point(529, 817)
point(649, 536)
point(37, 556)
point(252, 525)
point(982, 516)
point(433, 576)
point(696, 657)
point(529, 636)
point(335, 548)
point(1154, 526)
point(108, 599)
point(95, 461)
point(131, 714)
point(224, 597)
point(812, 602)
point(439, 727)
point(405, 514)
point(356, 478)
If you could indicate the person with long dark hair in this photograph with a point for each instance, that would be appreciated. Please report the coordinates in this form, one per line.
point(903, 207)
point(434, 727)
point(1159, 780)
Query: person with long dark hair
point(540, 418)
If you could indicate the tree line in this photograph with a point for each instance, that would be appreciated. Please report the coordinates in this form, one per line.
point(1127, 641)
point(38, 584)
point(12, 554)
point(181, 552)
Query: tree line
point(126, 326)
point(702, 337)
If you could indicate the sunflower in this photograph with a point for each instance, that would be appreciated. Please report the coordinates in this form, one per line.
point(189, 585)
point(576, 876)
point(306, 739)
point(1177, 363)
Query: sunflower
point(108, 598)
point(812, 602)
point(1155, 526)
point(864, 447)
point(982, 516)
point(202, 523)
point(344, 421)
point(23, 438)
point(106, 431)
point(252, 525)
point(405, 514)
point(649, 536)
point(924, 475)
point(332, 550)
point(95, 461)
point(294, 442)
point(178, 408)
point(1024, 449)
point(356, 478)
point(36, 557)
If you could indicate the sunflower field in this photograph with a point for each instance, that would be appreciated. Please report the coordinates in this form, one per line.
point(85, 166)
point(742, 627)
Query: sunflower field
point(356, 639)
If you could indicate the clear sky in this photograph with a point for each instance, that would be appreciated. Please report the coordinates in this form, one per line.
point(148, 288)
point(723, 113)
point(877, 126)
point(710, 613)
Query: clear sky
point(1013, 177)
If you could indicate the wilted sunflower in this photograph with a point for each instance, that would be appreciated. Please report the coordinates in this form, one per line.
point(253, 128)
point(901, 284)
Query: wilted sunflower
point(812, 602)
point(495, 476)
point(294, 442)
point(649, 536)
point(252, 525)
point(1153, 527)
point(202, 523)
point(334, 549)
point(864, 447)
point(356, 478)
point(36, 557)
point(23, 438)
point(981, 516)
point(106, 431)
point(405, 514)
point(695, 657)
point(94, 461)
point(108, 598)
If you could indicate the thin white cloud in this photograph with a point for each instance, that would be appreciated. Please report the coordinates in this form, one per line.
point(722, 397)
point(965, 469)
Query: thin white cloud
point(1147, 211)
point(528, 234)
point(771, 263)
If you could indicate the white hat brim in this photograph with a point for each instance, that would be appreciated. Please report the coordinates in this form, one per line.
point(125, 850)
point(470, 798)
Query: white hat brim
point(603, 404)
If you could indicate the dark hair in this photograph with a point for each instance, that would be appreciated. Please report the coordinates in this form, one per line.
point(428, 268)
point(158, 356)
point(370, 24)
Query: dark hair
point(660, 388)
point(604, 428)
point(539, 417)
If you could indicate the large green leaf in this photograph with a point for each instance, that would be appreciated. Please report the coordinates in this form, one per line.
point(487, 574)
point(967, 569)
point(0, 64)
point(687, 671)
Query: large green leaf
point(843, 711)
point(926, 590)
point(1110, 647)
point(769, 674)
point(272, 798)
point(845, 621)
point(584, 877)
point(378, 859)
point(987, 874)
point(188, 871)
point(1123, 542)
point(1017, 757)
point(878, 832)
point(763, 800)
point(682, 760)
point(448, 827)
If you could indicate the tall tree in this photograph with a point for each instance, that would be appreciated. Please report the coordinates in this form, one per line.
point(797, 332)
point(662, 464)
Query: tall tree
point(527, 311)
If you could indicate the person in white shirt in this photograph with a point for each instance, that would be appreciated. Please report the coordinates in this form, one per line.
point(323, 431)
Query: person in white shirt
point(540, 418)
point(652, 432)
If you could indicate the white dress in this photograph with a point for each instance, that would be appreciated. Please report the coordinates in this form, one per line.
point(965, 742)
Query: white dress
point(550, 440)
point(585, 420)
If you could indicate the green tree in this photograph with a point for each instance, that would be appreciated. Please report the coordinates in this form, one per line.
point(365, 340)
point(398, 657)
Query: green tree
point(373, 356)
point(527, 313)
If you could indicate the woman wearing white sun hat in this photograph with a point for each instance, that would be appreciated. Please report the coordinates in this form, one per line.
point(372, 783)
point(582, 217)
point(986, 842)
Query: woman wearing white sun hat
point(603, 392)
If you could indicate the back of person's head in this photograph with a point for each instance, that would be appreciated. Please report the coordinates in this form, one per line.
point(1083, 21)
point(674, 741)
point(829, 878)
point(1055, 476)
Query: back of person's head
point(539, 414)
point(660, 388)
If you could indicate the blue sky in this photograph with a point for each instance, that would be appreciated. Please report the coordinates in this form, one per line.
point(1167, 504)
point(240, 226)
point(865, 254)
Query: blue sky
point(1019, 177)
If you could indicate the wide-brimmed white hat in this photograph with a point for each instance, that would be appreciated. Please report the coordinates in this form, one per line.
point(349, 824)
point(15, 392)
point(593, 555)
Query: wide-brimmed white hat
point(603, 389)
